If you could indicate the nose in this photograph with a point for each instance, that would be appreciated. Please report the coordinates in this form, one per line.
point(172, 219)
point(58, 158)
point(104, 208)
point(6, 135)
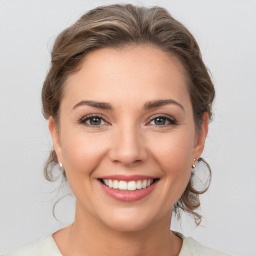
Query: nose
point(128, 146)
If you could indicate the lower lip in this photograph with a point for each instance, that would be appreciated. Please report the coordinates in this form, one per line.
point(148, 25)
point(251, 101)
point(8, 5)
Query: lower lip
point(126, 195)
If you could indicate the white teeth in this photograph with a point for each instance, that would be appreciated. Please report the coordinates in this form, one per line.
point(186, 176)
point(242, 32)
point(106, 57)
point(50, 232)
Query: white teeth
point(122, 185)
point(144, 184)
point(110, 183)
point(130, 185)
point(139, 184)
point(115, 184)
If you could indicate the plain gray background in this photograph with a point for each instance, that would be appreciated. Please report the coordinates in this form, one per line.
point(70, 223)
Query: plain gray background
point(226, 32)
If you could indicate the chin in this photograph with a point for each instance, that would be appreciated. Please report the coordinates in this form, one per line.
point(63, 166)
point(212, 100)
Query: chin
point(128, 221)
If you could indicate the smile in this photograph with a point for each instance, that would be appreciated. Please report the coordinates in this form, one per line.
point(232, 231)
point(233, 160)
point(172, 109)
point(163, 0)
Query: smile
point(128, 188)
point(128, 185)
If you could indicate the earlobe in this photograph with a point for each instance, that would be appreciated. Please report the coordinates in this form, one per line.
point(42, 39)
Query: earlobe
point(201, 136)
point(55, 138)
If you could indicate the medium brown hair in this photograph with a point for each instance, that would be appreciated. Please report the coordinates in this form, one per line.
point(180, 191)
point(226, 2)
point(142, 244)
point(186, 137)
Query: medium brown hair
point(117, 26)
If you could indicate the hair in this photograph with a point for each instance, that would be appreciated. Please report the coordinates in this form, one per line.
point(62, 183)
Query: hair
point(117, 26)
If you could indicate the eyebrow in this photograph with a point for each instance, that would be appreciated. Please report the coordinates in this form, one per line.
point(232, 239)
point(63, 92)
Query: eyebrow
point(159, 103)
point(147, 105)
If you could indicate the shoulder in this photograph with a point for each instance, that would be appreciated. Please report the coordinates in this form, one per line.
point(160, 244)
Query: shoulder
point(45, 246)
point(191, 247)
point(197, 249)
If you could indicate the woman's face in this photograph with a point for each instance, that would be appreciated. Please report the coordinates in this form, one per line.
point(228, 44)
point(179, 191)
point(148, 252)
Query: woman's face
point(126, 121)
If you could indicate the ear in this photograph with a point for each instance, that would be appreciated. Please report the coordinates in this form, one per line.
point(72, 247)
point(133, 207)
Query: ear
point(201, 136)
point(55, 138)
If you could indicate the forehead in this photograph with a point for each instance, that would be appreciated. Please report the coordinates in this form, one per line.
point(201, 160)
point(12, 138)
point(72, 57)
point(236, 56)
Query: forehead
point(141, 72)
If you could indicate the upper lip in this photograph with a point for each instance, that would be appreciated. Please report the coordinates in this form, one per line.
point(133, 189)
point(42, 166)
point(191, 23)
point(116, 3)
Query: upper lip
point(128, 177)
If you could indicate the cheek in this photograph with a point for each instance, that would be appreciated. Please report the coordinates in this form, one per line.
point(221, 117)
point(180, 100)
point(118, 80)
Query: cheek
point(81, 152)
point(174, 154)
point(176, 149)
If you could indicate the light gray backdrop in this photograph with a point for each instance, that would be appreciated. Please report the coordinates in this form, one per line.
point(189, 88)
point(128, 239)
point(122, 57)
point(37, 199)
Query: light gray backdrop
point(226, 32)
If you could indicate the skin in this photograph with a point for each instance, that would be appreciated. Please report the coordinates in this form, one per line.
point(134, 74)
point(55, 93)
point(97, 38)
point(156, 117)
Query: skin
point(127, 140)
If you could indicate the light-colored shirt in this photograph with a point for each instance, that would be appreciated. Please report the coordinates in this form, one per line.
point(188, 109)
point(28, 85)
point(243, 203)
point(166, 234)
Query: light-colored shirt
point(46, 246)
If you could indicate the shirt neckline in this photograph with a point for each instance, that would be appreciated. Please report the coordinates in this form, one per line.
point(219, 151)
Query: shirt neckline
point(178, 234)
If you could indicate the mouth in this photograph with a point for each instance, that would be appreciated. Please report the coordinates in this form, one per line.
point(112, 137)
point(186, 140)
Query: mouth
point(131, 185)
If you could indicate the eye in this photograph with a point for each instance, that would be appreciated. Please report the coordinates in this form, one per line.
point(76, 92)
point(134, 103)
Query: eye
point(162, 121)
point(93, 120)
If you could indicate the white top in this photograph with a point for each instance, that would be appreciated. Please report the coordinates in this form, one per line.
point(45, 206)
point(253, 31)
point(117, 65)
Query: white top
point(47, 246)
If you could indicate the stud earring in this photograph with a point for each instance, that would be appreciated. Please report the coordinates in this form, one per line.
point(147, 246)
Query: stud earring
point(60, 164)
point(194, 164)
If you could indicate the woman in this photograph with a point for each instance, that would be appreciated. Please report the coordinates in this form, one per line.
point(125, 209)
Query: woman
point(128, 99)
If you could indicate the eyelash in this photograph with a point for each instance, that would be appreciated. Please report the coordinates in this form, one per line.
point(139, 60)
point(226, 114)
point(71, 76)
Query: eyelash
point(88, 117)
point(169, 119)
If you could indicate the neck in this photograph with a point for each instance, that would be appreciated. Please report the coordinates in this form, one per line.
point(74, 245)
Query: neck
point(88, 236)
